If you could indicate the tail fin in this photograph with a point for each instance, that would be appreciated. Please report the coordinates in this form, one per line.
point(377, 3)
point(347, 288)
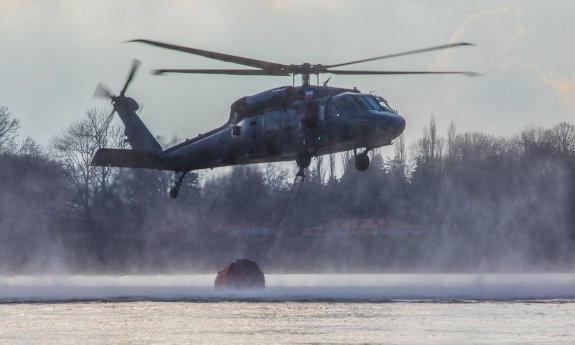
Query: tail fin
point(146, 150)
point(138, 134)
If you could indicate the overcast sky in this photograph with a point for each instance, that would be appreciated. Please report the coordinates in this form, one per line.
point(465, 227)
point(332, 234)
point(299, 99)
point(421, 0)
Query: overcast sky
point(54, 53)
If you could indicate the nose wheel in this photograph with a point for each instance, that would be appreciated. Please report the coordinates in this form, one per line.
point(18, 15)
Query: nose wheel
point(361, 160)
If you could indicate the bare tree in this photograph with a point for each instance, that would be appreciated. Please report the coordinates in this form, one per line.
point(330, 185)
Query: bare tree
point(8, 127)
point(30, 148)
point(346, 157)
point(429, 149)
point(276, 177)
point(331, 167)
point(474, 145)
point(399, 162)
point(563, 138)
point(451, 139)
point(317, 174)
point(76, 146)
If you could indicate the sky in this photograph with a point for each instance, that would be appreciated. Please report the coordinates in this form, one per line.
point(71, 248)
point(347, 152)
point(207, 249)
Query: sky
point(54, 53)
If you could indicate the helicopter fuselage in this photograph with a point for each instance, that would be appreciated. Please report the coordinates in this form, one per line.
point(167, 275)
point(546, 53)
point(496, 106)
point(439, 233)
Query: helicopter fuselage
point(290, 121)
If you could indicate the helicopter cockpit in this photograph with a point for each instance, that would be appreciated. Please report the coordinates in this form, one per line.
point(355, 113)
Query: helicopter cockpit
point(353, 103)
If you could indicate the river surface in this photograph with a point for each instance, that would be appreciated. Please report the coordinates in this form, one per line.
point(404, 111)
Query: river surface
point(293, 309)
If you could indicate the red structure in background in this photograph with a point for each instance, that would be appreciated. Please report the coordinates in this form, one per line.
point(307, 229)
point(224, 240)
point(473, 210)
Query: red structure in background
point(241, 274)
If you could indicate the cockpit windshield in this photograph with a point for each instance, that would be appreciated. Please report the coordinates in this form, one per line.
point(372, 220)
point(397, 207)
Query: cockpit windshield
point(383, 103)
point(353, 103)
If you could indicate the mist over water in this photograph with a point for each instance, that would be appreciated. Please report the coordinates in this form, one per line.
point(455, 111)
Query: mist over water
point(292, 287)
point(302, 309)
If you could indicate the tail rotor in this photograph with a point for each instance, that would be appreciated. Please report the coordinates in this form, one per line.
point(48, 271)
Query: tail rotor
point(135, 65)
point(103, 91)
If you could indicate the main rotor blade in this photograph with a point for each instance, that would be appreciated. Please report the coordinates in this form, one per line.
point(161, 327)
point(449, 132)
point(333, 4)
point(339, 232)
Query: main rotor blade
point(102, 91)
point(466, 73)
point(221, 71)
point(135, 64)
point(417, 51)
point(265, 65)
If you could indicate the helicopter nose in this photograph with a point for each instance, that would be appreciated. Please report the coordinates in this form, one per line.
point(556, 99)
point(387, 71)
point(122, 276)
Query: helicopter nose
point(392, 125)
point(398, 126)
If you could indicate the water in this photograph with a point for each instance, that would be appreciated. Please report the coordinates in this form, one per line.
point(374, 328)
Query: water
point(294, 309)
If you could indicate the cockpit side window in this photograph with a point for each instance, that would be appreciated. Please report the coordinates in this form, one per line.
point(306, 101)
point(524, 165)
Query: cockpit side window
point(345, 104)
point(334, 109)
point(348, 103)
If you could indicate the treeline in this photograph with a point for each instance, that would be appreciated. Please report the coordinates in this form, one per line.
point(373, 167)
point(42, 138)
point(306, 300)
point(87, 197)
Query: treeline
point(482, 203)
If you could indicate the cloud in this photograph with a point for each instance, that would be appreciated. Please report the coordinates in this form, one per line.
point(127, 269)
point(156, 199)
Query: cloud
point(498, 30)
point(565, 86)
point(515, 90)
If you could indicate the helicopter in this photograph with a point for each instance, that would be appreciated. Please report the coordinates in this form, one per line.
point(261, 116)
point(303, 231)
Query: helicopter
point(287, 123)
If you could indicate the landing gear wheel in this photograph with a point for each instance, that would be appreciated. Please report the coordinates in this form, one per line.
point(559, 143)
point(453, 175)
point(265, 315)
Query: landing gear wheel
point(362, 161)
point(174, 192)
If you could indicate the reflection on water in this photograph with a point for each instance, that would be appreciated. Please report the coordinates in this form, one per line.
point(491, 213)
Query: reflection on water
point(291, 322)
